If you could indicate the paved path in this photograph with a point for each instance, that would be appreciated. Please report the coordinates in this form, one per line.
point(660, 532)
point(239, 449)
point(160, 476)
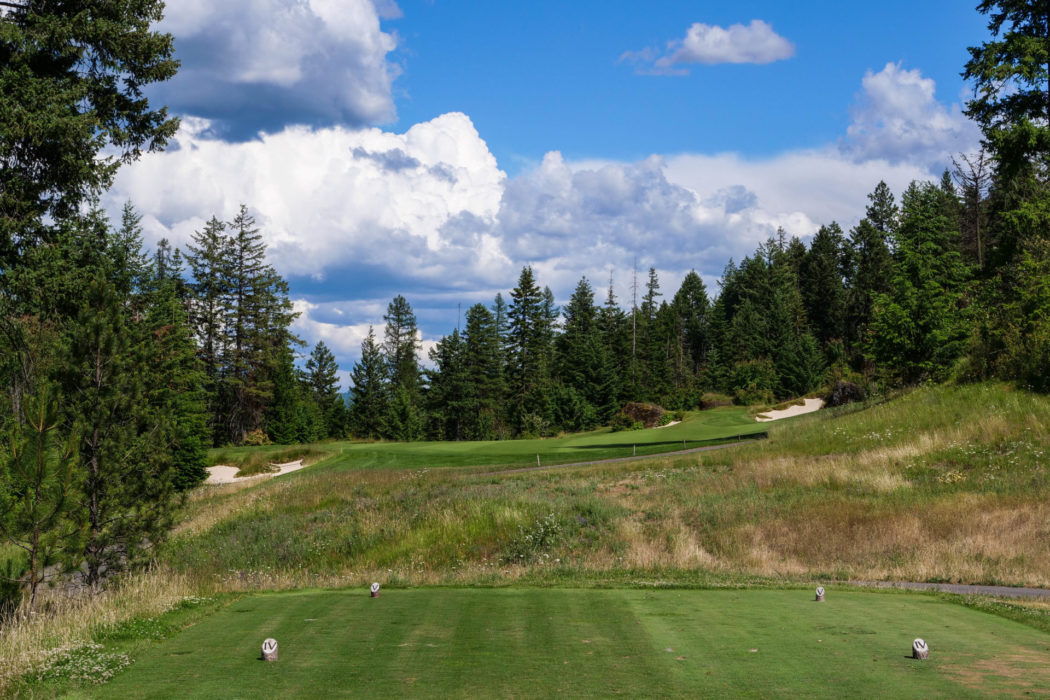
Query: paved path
point(613, 460)
point(1002, 591)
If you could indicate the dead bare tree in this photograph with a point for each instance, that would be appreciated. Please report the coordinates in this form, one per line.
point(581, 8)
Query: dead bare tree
point(973, 174)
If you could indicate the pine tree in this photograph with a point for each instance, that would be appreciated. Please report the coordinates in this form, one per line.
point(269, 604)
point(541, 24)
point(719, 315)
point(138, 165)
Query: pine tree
point(616, 341)
point(177, 382)
point(691, 307)
point(917, 328)
point(128, 471)
point(208, 257)
point(483, 369)
point(369, 390)
point(528, 354)
point(72, 76)
point(651, 343)
point(132, 271)
point(652, 291)
point(287, 422)
point(501, 319)
point(163, 267)
point(822, 283)
point(405, 420)
point(401, 344)
point(400, 347)
point(38, 483)
point(168, 267)
point(1024, 322)
point(450, 406)
point(1011, 78)
point(584, 365)
point(323, 380)
point(871, 265)
point(257, 316)
point(800, 366)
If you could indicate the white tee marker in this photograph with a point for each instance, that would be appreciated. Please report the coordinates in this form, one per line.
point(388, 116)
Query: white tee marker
point(269, 650)
point(375, 590)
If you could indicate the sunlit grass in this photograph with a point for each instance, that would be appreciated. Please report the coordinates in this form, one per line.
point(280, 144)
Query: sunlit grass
point(592, 643)
point(941, 484)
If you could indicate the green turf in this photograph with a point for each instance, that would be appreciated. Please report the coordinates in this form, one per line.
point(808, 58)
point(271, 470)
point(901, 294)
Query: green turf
point(698, 428)
point(591, 643)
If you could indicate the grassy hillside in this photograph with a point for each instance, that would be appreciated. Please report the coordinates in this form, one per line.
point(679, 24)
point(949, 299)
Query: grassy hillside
point(945, 483)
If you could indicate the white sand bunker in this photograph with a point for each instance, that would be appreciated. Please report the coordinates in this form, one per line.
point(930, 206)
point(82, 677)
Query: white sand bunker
point(222, 474)
point(809, 406)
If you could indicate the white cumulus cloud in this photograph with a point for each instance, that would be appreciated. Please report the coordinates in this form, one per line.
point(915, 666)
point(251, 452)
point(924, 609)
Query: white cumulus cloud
point(413, 203)
point(261, 64)
point(756, 42)
point(898, 118)
point(355, 216)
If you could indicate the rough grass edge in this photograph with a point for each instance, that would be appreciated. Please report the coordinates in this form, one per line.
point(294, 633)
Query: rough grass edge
point(29, 638)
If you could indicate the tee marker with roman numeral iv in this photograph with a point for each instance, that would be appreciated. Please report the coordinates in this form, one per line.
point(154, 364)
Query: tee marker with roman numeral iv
point(269, 650)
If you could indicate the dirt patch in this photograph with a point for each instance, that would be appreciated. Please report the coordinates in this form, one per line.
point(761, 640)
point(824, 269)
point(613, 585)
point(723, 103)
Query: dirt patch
point(1017, 674)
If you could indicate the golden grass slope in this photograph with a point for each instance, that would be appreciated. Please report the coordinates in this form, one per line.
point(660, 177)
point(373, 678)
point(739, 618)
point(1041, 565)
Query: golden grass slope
point(946, 483)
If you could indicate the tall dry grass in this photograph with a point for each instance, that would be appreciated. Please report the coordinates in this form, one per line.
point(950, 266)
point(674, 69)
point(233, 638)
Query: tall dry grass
point(68, 619)
point(945, 484)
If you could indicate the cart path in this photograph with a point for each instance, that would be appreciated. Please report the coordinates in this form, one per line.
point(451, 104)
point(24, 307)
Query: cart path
point(962, 589)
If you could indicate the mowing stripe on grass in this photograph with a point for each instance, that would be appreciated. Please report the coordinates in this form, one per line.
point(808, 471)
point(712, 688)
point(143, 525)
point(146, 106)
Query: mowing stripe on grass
point(593, 643)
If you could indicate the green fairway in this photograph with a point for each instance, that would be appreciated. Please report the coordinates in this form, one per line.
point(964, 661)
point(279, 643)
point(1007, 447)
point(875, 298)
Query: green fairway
point(698, 428)
point(594, 643)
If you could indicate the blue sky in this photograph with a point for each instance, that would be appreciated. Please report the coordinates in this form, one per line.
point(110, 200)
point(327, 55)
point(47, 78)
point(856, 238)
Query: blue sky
point(433, 148)
point(545, 75)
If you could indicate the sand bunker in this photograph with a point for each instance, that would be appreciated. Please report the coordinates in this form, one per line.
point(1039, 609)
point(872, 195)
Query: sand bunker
point(809, 406)
point(222, 474)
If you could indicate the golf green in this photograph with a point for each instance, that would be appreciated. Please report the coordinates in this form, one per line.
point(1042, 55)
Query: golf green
point(592, 643)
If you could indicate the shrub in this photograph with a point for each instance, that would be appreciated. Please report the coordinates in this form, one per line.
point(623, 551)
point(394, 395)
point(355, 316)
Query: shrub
point(623, 422)
point(533, 541)
point(256, 437)
point(645, 413)
point(571, 410)
point(534, 425)
point(843, 393)
point(755, 381)
point(713, 400)
point(672, 417)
